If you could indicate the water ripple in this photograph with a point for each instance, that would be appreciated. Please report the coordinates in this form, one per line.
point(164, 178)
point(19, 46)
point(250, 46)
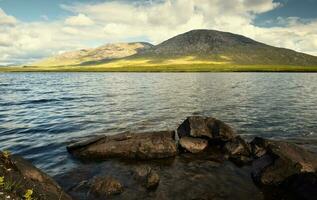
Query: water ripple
point(42, 112)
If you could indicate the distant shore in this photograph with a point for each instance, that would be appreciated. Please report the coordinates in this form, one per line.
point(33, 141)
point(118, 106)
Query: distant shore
point(164, 68)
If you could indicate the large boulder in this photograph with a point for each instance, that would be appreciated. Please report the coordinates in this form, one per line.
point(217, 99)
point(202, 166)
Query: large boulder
point(148, 145)
point(206, 127)
point(22, 178)
point(279, 161)
point(106, 186)
point(193, 145)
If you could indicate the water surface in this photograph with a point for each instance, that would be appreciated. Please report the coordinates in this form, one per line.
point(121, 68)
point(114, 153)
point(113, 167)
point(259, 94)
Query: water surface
point(40, 113)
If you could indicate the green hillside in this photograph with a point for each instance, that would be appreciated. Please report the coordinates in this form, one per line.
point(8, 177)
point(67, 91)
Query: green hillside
point(197, 50)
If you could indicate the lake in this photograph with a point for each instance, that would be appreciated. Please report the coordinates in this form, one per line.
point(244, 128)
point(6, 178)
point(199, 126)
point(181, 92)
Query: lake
point(40, 113)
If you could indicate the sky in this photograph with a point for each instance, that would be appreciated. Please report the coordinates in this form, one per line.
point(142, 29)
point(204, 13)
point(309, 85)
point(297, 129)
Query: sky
point(34, 29)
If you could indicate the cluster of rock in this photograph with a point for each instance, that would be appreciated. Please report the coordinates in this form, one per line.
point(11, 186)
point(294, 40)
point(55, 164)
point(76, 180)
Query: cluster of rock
point(274, 163)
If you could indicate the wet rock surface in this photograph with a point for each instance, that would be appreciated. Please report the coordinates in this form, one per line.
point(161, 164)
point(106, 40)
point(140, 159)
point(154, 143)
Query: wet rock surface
point(238, 150)
point(19, 178)
point(147, 176)
point(105, 186)
point(199, 126)
point(148, 145)
point(193, 145)
point(280, 161)
point(196, 164)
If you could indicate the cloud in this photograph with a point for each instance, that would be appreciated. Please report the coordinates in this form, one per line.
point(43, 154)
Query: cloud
point(93, 24)
point(6, 19)
point(79, 20)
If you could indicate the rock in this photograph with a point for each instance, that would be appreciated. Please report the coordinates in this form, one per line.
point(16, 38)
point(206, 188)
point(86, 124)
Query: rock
point(193, 145)
point(258, 147)
point(259, 165)
point(282, 160)
point(153, 180)
point(301, 186)
point(105, 186)
point(205, 127)
point(30, 178)
point(147, 176)
point(148, 145)
point(238, 151)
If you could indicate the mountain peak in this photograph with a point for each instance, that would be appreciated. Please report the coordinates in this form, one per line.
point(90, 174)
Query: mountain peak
point(202, 42)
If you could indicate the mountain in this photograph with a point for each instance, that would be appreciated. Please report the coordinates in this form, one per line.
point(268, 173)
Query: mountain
point(103, 53)
point(223, 46)
point(196, 50)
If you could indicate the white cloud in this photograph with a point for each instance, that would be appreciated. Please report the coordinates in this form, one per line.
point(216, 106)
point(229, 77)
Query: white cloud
point(79, 20)
point(118, 21)
point(6, 19)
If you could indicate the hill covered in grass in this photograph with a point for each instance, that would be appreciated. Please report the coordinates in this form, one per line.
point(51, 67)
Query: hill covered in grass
point(101, 54)
point(197, 50)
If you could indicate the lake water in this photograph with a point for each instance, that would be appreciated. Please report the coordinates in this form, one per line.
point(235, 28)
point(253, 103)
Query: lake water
point(40, 113)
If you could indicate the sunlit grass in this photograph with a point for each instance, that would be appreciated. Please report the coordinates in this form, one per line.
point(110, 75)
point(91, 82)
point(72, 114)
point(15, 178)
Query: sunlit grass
point(185, 64)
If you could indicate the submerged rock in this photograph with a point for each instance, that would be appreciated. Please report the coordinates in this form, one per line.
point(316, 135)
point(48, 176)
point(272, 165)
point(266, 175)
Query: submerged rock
point(208, 127)
point(22, 177)
point(193, 145)
point(281, 160)
point(147, 176)
point(105, 186)
point(148, 145)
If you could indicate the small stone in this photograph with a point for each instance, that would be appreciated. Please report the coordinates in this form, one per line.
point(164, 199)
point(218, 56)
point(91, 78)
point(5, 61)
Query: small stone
point(153, 180)
point(106, 186)
point(147, 176)
point(193, 145)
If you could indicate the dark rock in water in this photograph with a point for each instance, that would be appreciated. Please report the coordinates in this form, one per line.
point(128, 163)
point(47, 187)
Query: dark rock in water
point(23, 176)
point(258, 147)
point(193, 145)
point(301, 186)
point(198, 126)
point(259, 165)
point(282, 160)
point(238, 150)
point(147, 176)
point(148, 145)
point(105, 186)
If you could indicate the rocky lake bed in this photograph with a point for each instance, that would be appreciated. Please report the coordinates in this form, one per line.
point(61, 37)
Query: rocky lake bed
point(204, 158)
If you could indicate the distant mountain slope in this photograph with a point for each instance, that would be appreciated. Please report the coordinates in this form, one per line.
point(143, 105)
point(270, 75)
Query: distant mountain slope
point(103, 53)
point(223, 46)
point(197, 50)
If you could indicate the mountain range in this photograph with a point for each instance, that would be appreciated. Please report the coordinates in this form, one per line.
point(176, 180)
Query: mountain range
point(196, 50)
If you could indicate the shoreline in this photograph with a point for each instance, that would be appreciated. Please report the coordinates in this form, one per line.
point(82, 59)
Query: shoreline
point(202, 155)
point(167, 69)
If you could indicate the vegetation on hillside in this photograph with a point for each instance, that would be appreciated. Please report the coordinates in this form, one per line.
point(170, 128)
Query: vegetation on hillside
point(197, 50)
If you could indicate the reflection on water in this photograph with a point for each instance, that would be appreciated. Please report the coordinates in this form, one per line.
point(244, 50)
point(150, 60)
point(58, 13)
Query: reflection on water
point(40, 113)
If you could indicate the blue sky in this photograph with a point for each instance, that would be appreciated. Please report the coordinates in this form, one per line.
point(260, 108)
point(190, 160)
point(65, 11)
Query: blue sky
point(35, 29)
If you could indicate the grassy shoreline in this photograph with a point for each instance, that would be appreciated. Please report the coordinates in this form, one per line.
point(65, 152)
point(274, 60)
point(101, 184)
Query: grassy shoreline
point(166, 68)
